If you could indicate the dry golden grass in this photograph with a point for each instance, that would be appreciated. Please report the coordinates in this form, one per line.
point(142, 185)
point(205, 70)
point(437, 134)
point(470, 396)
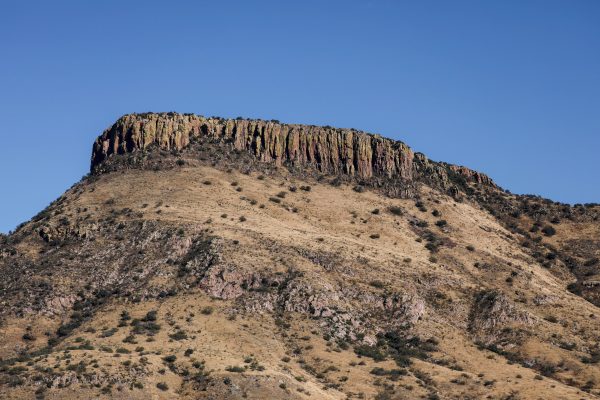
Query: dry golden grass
point(332, 220)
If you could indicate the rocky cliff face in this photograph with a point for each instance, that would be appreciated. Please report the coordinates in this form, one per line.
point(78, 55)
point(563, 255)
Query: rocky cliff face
point(330, 150)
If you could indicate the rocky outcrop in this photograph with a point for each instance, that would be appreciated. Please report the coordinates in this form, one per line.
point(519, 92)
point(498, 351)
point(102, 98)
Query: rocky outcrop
point(330, 150)
point(493, 311)
point(446, 175)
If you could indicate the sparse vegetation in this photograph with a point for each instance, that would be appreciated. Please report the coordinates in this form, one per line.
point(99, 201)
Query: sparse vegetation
point(377, 284)
point(235, 368)
point(208, 310)
point(170, 358)
point(373, 352)
point(421, 206)
point(548, 230)
point(178, 335)
point(396, 210)
point(162, 386)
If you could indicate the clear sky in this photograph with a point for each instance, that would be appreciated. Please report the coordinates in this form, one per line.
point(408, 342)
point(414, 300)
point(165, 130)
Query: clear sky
point(511, 88)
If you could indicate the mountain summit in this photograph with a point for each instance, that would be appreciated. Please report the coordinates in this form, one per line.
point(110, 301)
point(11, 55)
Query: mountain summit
point(344, 152)
point(207, 258)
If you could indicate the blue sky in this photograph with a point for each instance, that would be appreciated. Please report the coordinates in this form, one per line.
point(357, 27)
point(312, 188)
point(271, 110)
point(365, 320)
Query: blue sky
point(511, 88)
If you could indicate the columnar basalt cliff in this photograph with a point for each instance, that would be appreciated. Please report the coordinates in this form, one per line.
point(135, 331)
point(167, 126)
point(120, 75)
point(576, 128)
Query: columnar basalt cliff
point(330, 150)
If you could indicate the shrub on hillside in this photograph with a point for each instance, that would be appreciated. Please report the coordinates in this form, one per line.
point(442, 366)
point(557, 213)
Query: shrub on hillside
point(395, 210)
point(548, 230)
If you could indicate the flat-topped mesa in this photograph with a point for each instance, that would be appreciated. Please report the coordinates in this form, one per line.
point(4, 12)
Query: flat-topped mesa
point(329, 150)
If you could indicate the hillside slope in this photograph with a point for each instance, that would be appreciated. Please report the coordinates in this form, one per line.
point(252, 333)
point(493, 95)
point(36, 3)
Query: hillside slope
point(205, 270)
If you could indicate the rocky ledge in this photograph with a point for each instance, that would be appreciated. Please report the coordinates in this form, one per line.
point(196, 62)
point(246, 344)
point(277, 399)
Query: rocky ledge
point(329, 150)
